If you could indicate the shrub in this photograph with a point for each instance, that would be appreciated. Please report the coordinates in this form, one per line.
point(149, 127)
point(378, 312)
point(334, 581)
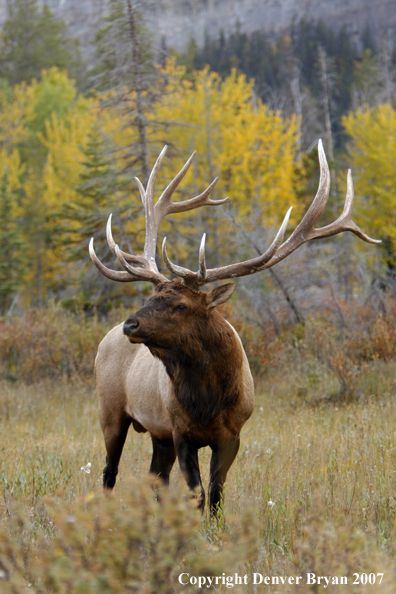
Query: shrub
point(50, 343)
point(102, 547)
point(54, 342)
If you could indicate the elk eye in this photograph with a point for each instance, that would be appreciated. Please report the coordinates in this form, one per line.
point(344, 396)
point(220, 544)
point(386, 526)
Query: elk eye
point(181, 307)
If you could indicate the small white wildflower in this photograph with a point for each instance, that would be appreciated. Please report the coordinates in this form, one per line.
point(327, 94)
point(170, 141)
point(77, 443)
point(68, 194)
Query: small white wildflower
point(70, 519)
point(261, 409)
point(87, 468)
point(270, 503)
point(3, 575)
point(269, 451)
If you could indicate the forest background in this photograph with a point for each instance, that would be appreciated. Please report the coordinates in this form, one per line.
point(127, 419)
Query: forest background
point(73, 136)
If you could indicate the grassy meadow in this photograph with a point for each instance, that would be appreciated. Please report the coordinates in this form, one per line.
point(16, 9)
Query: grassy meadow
point(311, 491)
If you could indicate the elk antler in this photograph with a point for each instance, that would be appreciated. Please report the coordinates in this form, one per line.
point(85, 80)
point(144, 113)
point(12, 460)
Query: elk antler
point(305, 231)
point(145, 267)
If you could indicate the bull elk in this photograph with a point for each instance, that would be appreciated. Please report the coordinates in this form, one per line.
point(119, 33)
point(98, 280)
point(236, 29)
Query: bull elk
point(176, 368)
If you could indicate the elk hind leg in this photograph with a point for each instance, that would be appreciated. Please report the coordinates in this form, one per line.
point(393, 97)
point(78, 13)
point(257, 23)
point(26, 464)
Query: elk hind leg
point(221, 460)
point(115, 432)
point(164, 456)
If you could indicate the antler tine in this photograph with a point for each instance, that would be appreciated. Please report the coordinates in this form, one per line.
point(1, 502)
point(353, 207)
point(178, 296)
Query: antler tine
point(344, 221)
point(113, 246)
point(153, 177)
point(184, 273)
point(200, 200)
point(202, 263)
point(140, 273)
point(142, 191)
point(120, 276)
point(165, 206)
point(164, 199)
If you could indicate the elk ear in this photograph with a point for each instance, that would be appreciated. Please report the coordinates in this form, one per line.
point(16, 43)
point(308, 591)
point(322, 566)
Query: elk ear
point(219, 295)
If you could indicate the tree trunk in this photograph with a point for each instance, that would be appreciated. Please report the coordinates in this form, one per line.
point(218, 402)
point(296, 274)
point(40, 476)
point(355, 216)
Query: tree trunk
point(138, 84)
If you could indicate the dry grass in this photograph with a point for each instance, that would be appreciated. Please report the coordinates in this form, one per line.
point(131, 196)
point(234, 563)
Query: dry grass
point(317, 481)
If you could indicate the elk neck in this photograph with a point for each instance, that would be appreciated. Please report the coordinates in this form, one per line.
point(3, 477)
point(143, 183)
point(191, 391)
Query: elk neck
point(206, 373)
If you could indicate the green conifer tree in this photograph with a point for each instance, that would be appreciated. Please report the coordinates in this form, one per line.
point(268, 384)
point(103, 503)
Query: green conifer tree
point(100, 192)
point(12, 258)
point(126, 66)
point(32, 41)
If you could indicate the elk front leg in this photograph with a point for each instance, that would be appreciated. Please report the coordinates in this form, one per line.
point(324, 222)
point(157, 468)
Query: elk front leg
point(222, 457)
point(187, 454)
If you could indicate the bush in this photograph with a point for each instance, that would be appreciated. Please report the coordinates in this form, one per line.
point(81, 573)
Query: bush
point(344, 345)
point(101, 547)
point(50, 343)
point(54, 342)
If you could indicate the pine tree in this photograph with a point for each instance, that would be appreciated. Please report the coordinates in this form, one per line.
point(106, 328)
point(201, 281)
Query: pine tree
point(99, 192)
point(127, 69)
point(32, 41)
point(12, 258)
point(98, 184)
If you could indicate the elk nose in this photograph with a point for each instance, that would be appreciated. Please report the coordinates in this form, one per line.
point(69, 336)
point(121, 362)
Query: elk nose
point(130, 326)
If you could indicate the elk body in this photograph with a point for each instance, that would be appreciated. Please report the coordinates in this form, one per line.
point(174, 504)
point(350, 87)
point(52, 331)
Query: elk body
point(176, 368)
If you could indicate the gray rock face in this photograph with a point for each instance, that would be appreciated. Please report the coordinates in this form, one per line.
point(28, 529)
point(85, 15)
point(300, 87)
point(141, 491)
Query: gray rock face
point(176, 21)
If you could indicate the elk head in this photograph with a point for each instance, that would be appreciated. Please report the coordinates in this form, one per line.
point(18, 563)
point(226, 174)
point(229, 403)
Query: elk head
point(174, 306)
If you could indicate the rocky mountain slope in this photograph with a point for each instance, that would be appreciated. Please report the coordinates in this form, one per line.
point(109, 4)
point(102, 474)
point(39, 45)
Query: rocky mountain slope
point(176, 21)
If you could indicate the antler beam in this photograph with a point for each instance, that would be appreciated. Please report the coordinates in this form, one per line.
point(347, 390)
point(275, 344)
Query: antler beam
point(304, 232)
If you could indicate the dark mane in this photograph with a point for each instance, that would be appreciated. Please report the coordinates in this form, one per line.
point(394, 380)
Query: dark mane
point(206, 375)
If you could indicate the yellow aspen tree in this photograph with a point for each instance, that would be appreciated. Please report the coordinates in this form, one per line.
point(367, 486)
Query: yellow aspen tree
point(372, 151)
point(249, 147)
point(237, 138)
point(16, 105)
point(64, 142)
point(41, 127)
point(13, 257)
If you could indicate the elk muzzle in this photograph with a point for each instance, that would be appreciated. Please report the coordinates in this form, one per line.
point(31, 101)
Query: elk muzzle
point(133, 330)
